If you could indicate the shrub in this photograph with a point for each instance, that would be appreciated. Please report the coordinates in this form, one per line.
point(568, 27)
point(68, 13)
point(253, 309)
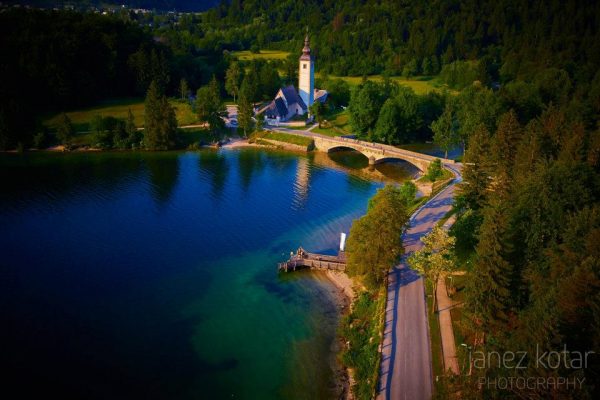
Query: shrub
point(434, 171)
point(408, 190)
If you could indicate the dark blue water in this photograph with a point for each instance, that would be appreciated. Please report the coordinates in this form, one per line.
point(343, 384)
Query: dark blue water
point(153, 275)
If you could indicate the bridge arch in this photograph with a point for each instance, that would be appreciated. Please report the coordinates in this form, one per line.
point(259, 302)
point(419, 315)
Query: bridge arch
point(375, 157)
point(392, 158)
point(348, 146)
point(350, 156)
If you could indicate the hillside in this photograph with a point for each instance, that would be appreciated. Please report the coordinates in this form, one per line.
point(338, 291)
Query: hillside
point(160, 5)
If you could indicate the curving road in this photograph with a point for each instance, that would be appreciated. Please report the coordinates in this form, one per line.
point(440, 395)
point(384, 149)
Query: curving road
point(406, 355)
point(405, 370)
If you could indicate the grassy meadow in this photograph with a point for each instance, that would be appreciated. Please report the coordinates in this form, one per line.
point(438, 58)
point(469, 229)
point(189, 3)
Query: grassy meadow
point(420, 85)
point(119, 109)
point(337, 124)
point(287, 138)
point(247, 55)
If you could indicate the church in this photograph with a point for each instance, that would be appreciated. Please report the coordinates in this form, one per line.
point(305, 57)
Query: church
point(288, 101)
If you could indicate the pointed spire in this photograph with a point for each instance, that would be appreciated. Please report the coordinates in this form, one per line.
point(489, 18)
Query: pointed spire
point(306, 50)
point(306, 42)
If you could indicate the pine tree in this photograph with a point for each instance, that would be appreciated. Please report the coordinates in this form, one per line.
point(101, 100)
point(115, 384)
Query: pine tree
point(245, 113)
point(160, 128)
point(488, 290)
point(169, 124)
point(506, 142)
point(210, 106)
point(151, 117)
point(233, 80)
point(477, 169)
point(445, 131)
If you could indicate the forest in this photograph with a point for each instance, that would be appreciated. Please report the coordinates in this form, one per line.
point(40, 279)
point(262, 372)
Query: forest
point(528, 235)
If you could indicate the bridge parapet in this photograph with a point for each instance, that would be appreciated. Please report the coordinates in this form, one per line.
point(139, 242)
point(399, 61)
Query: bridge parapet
point(377, 152)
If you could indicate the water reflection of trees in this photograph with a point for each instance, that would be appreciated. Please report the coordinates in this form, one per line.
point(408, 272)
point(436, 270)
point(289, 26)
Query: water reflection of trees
point(216, 166)
point(163, 169)
point(250, 162)
point(32, 175)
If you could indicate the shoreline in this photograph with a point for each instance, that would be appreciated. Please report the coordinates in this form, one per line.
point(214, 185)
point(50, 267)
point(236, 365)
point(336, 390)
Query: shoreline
point(344, 296)
point(238, 142)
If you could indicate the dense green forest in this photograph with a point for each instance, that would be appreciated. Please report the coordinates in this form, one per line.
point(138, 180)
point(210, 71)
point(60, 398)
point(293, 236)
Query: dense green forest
point(57, 60)
point(529, 225)
point(366, 37)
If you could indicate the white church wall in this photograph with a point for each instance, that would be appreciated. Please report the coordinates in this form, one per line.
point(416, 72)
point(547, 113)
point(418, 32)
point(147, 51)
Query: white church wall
point(306, 81)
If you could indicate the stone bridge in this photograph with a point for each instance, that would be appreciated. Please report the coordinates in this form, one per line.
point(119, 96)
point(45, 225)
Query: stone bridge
point(375, 152)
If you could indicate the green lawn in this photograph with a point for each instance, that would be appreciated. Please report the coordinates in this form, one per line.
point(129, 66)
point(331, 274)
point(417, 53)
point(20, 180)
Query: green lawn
point(338, 124)
point(119, 109)
point(247, 55)
point(196, 136)
point(287, 138)
point(445, 175)
point(420, 85)
point(299, 127)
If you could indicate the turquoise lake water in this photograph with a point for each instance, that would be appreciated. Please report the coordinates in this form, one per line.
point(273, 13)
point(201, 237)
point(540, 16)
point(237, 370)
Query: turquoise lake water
point(153, 275)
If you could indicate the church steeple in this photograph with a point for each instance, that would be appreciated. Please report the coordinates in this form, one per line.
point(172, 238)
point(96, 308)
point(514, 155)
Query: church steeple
point(306, 49)
point(306, 75)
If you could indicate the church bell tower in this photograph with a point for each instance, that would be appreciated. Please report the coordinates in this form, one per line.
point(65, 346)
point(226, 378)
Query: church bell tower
point(306, 75)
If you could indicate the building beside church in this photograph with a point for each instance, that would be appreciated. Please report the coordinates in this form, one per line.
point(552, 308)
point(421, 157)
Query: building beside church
point(288, 101)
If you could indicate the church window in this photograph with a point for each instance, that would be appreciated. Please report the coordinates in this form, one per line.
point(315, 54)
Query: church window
point(304, 66)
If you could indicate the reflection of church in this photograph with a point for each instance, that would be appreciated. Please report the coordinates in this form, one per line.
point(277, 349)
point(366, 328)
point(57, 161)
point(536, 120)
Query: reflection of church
point(288, 102)
point(301, 183)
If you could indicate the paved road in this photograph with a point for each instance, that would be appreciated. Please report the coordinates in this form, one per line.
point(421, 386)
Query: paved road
point(406, 371)
point(406, 355)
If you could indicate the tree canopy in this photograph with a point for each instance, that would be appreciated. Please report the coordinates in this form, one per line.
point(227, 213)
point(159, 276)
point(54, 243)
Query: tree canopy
point(210, 106)
point(375, 240)
point(160, 122)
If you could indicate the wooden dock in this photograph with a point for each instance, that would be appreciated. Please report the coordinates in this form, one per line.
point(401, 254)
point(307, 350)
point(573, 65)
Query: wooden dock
point(304, 259)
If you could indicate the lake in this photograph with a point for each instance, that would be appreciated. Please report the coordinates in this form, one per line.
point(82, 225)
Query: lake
point(153, 275)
